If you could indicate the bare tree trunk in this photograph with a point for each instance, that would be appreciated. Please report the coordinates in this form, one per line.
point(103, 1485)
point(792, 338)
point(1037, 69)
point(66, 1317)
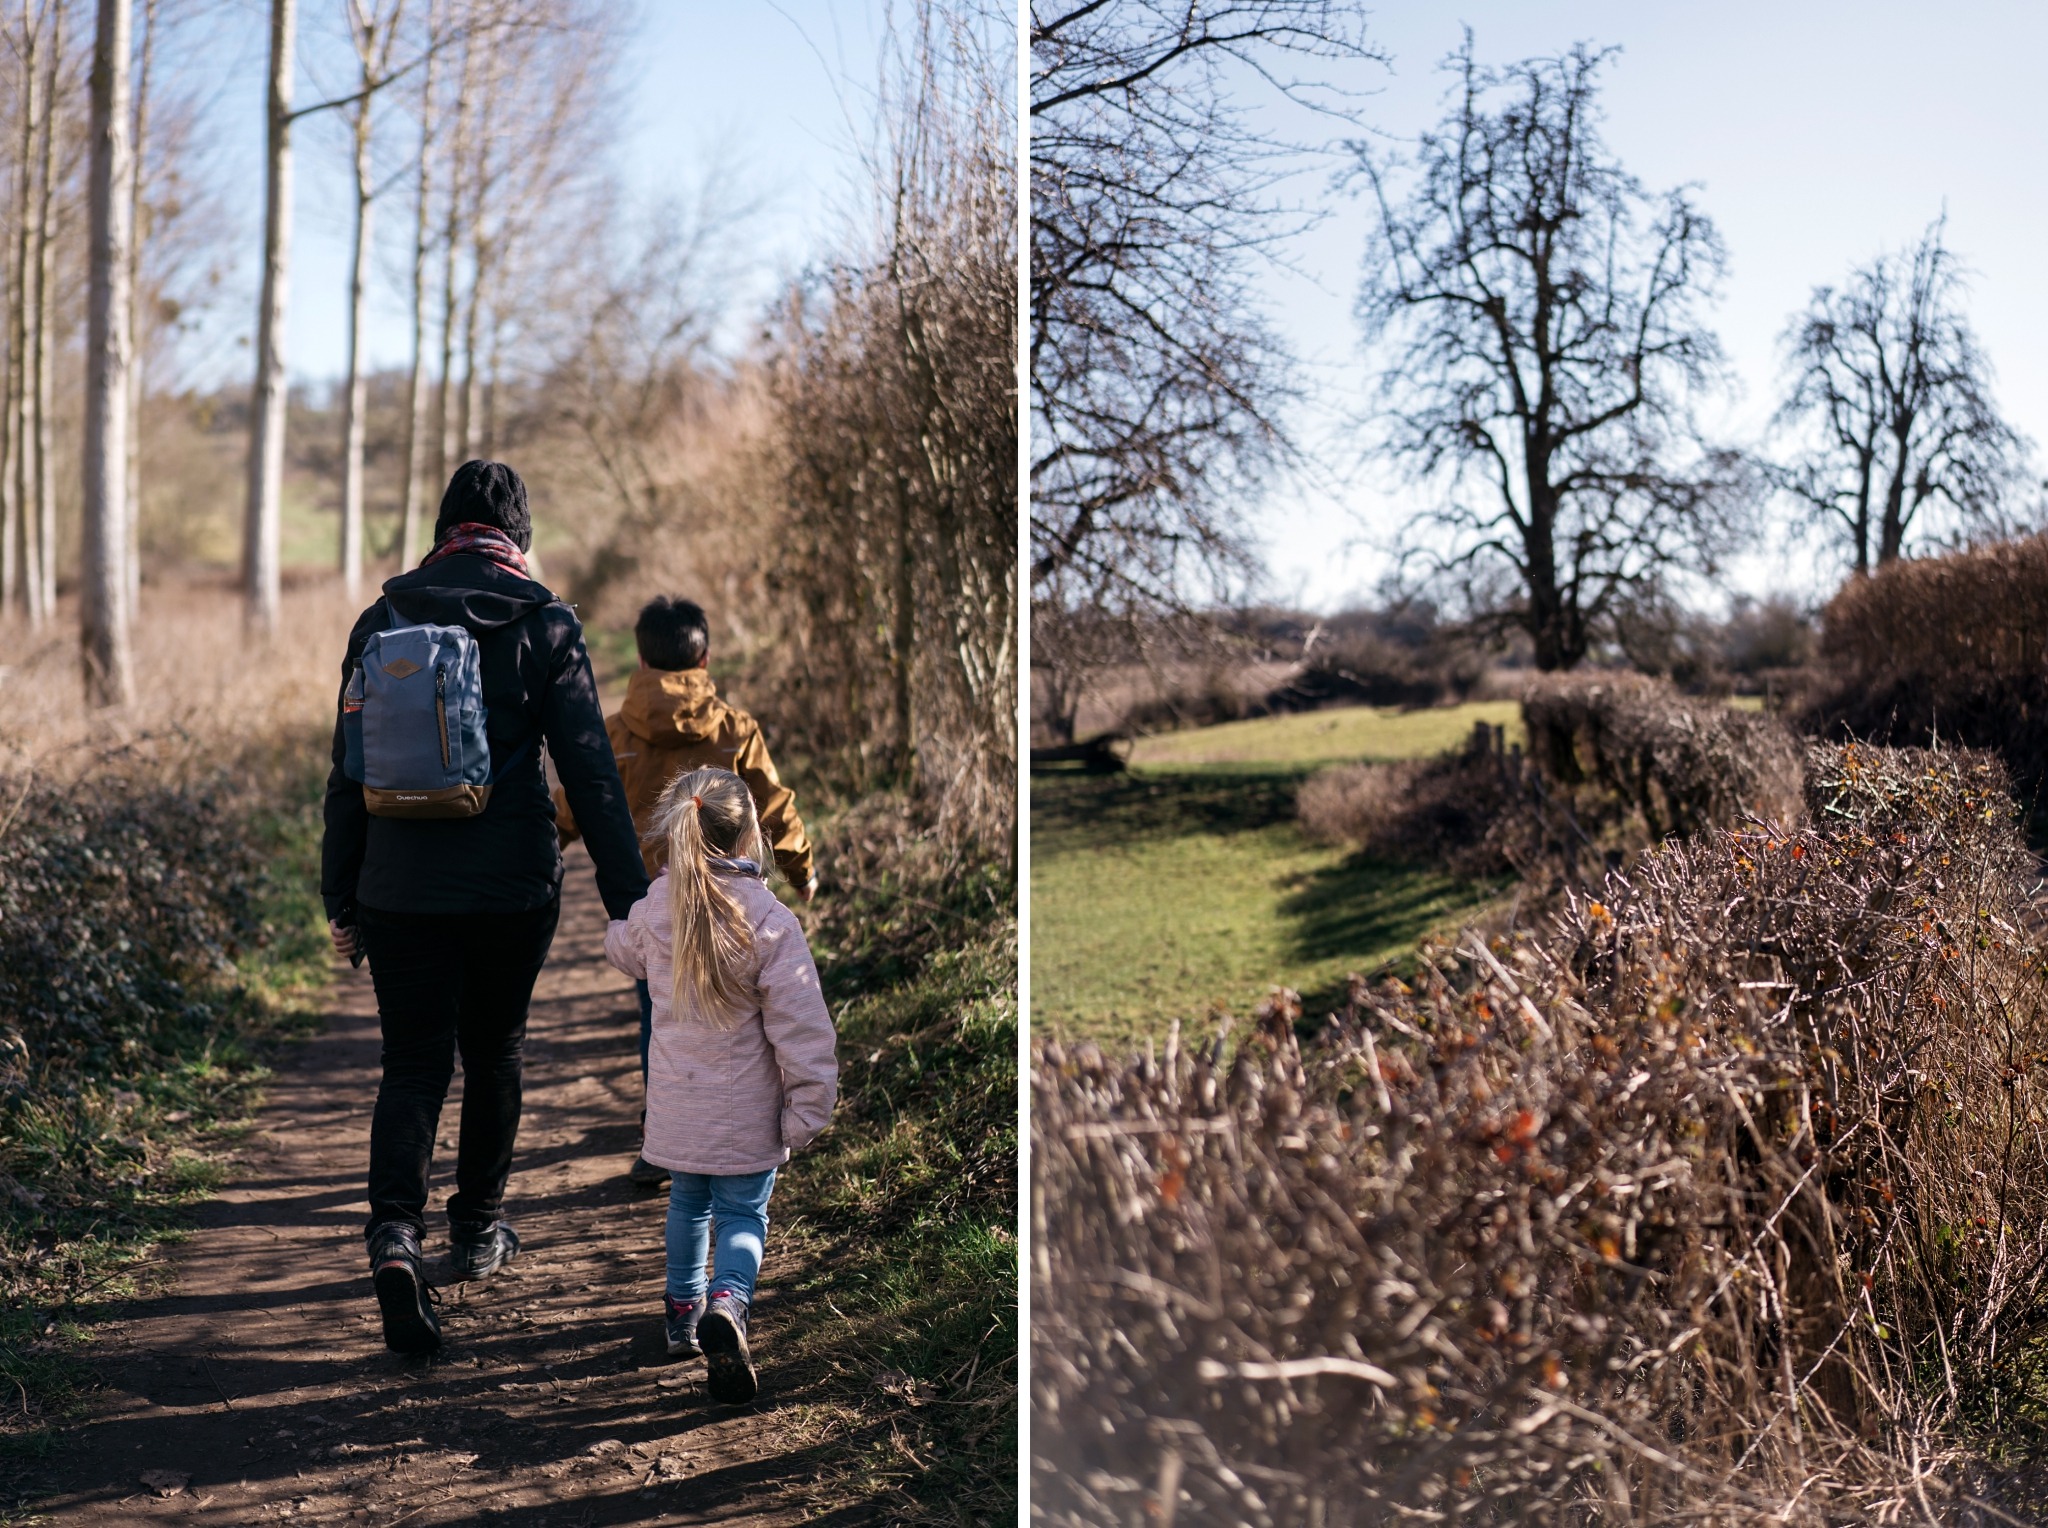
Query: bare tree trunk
point(903, 637)
point(472, 401)
point(479, 261)
point(138, 235)
point(356, 387)
point(45, 478)
point(490, 436)
point(446, 440)
point(20, 373)
point(17, 533)
point(422, 238)
point(267, 410)
point(103, 607)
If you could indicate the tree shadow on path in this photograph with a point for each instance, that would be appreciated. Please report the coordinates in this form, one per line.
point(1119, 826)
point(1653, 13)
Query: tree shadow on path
point(260, 1375)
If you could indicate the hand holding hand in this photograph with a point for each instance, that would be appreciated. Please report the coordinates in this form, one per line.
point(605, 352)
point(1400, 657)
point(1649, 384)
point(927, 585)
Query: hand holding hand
point(810, 889)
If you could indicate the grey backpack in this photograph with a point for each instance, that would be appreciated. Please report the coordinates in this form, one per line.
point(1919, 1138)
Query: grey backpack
point(413, 724)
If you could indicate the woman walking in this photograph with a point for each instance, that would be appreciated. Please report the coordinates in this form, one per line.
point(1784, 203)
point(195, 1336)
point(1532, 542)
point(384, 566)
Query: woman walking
point(440, 862)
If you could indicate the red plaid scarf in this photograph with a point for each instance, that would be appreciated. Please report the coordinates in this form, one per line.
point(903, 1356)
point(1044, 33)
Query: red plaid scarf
point(485, 541)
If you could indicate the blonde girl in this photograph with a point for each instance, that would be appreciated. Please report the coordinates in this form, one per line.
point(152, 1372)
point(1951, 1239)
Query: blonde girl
point(741, 1070)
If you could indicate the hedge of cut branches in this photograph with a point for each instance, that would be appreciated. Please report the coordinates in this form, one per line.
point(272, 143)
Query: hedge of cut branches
point(1678, 763)
point(1615, 763)
point(1951, 647)
point(1726, 1197)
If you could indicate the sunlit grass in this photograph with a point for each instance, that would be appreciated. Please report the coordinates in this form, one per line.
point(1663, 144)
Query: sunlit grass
point(1186, 886)
point(1157, 896)
point(1326, 737)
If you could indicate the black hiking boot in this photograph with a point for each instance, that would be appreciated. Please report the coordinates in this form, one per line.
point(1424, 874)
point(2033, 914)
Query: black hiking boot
point(680, 1325)
point(410, 1325)
point(644, 1174)
point(477, 1252)
point(729, 1364)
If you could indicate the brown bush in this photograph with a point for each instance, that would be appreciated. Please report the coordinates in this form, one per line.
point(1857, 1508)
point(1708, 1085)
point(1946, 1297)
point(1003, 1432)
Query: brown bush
point(1616, 763)
point(1359, 805)
point(1673, 764)
point(1951, 649)
point(1726, 1198)
point(1475, 812)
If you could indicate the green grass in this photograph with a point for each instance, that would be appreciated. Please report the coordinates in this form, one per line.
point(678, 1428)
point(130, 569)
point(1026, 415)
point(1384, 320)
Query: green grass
point(1325, 737)
point(1157, 896)
point(1185, 886)
point(905, 1207)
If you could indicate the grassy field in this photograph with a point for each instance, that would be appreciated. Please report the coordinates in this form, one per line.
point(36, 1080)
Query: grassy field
point(1185, 885)
point(1309, 738)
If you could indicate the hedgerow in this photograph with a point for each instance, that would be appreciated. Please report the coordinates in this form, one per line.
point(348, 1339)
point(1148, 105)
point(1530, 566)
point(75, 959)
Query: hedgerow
point(150, 937)
point(1722, 1197)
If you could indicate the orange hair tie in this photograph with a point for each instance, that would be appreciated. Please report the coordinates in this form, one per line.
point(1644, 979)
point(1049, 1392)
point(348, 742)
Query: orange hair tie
point(698, 802)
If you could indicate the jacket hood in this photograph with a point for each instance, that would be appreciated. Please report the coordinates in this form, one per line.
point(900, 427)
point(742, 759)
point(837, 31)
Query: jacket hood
point(464, 590)
point(671, 706)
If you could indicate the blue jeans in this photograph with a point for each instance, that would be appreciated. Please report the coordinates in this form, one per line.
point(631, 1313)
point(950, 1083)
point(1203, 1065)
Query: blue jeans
point(646, 996)
point(737, 1208)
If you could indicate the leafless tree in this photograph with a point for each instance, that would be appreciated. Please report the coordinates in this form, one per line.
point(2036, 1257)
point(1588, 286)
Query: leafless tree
point(146, 47)
point(103, 605)
point(1154, 382)
point(422, 243)
point(19, 507)
point(374, 30)
point(1890, 405)
point(897, 437)
point(1541, 316)
point(261, 530)
point(41, 483)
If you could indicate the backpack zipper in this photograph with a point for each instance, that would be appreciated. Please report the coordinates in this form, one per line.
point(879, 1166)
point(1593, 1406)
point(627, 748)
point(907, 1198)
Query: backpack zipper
point(441, 710)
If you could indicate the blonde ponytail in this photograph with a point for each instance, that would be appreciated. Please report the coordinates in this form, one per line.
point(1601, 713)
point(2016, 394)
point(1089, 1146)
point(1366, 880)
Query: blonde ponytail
point(702, 814)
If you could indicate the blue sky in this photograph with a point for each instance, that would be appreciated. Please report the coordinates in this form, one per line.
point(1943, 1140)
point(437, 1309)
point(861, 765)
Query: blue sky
point(776, 91)
point(1818, 131)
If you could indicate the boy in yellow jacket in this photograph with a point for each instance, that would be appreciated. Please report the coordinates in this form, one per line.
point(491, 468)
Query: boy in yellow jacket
point(672, 722)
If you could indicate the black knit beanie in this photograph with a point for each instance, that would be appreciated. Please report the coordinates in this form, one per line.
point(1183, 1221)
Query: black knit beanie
point(486, 493)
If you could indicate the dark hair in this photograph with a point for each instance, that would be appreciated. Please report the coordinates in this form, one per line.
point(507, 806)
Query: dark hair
point(486, 493)
point(672, 634)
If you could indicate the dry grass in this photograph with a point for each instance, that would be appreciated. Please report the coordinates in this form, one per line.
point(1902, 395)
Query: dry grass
point(210, 694)
point(1723, 1200)
point(1469, 810)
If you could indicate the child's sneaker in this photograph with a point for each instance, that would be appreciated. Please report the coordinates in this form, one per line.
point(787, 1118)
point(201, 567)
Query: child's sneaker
point(729, 1365)
point(681, 1325)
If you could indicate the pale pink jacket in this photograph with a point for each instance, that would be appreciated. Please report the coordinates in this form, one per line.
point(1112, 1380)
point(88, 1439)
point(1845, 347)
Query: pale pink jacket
point(739, 1099)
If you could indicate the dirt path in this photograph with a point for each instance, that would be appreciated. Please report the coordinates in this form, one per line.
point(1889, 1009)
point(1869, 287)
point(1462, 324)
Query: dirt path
point(261, 1374)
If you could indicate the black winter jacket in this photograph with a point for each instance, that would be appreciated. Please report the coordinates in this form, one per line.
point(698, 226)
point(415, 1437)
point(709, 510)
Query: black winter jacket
point(537, 686)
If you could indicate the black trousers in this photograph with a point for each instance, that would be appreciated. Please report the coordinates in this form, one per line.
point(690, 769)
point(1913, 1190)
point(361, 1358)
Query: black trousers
point(447, 982)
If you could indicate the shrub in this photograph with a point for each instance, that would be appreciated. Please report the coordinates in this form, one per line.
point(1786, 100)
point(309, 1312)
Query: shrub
point(1398, 656)
point(1950, 648)
point(1649, 754)
point(119, 905)
point(1473, 811)
point(1723, 1199)
point(148, 932)
point(1193, 697)
point(916, 1182)
point(1616, 762)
